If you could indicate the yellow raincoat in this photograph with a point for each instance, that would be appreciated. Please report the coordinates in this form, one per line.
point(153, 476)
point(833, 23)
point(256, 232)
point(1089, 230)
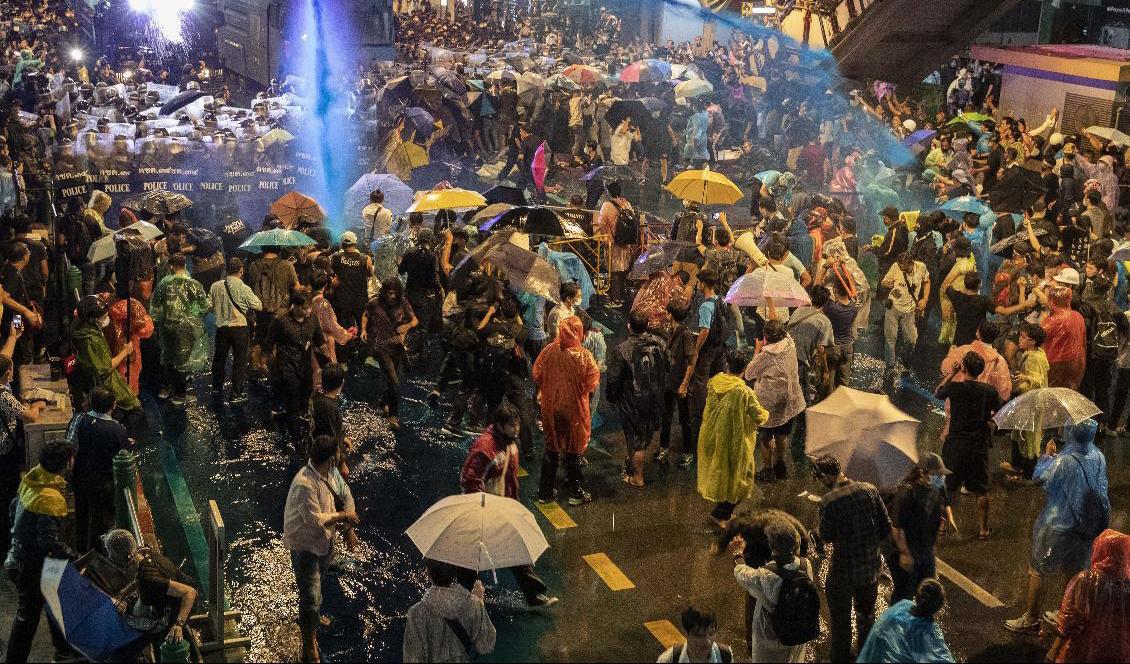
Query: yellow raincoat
point(726, 439)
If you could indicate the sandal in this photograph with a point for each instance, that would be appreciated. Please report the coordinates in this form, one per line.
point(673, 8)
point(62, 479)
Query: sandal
point(628, 481)
point(984, 537)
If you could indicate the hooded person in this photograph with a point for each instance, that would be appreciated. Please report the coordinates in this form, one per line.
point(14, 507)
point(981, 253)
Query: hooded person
point(908, 631)
point(96, 366)
point(727, 437)
point(96, 210)
point(177, 307)
point(565, 374)
point(1095, 610)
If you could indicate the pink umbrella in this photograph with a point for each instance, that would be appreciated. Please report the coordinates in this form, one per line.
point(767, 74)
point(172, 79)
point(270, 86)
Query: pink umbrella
point(539, 167)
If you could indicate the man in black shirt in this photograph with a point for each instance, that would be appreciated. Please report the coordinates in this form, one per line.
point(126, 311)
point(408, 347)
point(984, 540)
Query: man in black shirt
point(420, 266)
point(295, 335)
point(325, 408)
point(16, 300)
point(99, 437)
point(970, 308)
point(966, 448)
point(896, 241)
point(353, 270)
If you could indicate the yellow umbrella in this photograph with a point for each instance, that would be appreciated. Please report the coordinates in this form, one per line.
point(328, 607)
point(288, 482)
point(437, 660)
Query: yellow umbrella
point(706, 187)
point(447, 199)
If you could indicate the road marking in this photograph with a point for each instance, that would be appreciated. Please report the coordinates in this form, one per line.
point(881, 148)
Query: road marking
point(522, 472)
point(665, 632)
point(556, 516)
point(964, 582)
point(609, 572)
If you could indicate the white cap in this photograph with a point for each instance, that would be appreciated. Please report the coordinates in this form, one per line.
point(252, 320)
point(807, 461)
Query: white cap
point(1055, 139)
point(909, 125)
point(1068, 275)
point(349, 237)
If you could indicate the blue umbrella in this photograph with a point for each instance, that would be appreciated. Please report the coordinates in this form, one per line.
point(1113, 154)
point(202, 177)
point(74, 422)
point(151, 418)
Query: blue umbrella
point(765, 176)
point(86, 615)
point(919, 140)
point(420, 120)
point(277, 237)
point(398, 196)
point(957, 207)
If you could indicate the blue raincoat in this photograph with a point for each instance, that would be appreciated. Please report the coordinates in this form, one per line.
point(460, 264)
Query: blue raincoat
point(899, 636)
point(1056, 548)
point(570, 267)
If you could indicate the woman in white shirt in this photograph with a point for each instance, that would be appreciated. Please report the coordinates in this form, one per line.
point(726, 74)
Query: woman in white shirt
point(764, 585)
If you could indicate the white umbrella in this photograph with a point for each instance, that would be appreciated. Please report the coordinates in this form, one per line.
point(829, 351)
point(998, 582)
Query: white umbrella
point(753, 289)
point(872, 439)
point(479, 531)
point(1045, 408)
point(1120, 253)
point(1109, 134)
point(105, 247)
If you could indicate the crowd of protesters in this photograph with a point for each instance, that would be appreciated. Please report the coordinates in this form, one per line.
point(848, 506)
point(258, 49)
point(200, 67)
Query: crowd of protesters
point(1020, 295)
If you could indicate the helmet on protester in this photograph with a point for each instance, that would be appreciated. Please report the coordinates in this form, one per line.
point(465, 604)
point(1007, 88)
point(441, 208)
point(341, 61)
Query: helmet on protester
point(91, 307)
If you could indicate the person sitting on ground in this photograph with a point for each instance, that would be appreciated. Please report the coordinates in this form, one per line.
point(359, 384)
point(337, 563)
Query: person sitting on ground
point(908, 631)
point(701, 627)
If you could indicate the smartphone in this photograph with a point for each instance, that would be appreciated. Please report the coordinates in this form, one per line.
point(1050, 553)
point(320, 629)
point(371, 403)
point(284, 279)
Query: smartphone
point(18, 321)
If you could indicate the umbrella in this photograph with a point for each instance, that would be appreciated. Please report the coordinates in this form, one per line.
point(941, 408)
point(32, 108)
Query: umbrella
point(420, 120)
point(538, 167)
point(643, 71)
point(277, 237)
point(955, 208)
point(505, 194)
point(1013, 240)
point(87, 616)
point(1045, 408)
point(640, 110)
point(693, 88)
point(1120, 253)
point(1017, 189)
point(610, 173)
point(180, 101)
point(502, 75)
point(447, 199)
point(525, 270)
point(277, 136)
point(454, 83)
point(490, 212)
point(706, 187)
point(755, 288)
point(919, 140)
point(479, 531)
point(164, 202)
point(562, 83)
point(657, 258)
point(1109, 134)
point(530, 220)
point(969, 117)
point(873, 441)
point(521, 62)
point(583, 74)
point(106, 247)
point(398, 196)
point(293, 205)
point(530, 82)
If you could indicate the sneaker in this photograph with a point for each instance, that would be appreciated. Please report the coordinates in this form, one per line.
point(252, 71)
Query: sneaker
point(1051, 617)
point(1022, 624)
point(545, 500)
point(433, 400)
point(164, 393)
point(661, 454)
point(580, 497)
point(686, 460)
point(543, 601)
point(178, 400)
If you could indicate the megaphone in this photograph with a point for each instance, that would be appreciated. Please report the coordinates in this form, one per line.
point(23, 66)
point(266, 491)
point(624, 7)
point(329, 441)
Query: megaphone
point(748, 244)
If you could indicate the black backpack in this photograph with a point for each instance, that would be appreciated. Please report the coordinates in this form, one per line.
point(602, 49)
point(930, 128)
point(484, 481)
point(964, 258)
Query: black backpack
point(1104, 341)
point(721, 324)
point(1093, 516)
point(627, 230)
point(797, 617)
point(649, 369)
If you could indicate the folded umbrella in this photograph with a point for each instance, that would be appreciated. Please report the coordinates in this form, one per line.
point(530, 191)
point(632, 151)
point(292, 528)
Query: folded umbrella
point(446, 199)
point(957, 207)
point(756, 288)
point(1045, 408)
point(529, 220)
point(479, 531)
point(293, 205)
point(706, 187)
point(539, 167)
point(872, 439)
point(525, 270)
point(276, 237)
point(505, 194)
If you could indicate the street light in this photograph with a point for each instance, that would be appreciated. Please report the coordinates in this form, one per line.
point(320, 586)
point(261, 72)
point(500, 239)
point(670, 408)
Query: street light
point(77, 54)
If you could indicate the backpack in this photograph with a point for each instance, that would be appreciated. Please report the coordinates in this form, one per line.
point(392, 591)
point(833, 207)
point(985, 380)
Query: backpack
point(797, 617)
point(1104, 341)
point(1093, 516)
point(649, 370)
point(724, 261)
point(627, 230)
point(275, 299)
point(721, 325)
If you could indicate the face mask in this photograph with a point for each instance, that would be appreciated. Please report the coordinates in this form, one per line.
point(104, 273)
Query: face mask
point(104, 322)
point(937, 481)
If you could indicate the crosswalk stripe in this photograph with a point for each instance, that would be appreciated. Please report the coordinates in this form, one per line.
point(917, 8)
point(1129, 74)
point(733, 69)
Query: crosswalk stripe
point(556, 516)
point(665, 632)
point(966, 584)
point(609, 572)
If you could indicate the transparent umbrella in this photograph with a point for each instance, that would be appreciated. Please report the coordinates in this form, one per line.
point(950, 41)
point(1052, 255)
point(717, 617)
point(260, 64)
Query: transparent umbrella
point(1045, 408)
point(757, 287)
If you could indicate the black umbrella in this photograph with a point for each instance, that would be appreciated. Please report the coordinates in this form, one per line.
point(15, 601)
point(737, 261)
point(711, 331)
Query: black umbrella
point(525, 270)
point(521, 63)
point(505, 194)
point(180, 101)
point(1017, 189)
point(639, 110)
point(164, 202)
point(533, 220)
point(401, 87)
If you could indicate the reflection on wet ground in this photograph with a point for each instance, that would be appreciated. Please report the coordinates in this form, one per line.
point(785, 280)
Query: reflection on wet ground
point(657, 537)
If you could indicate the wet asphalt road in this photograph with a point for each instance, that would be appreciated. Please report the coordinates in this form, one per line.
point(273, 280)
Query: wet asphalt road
point(657, 537)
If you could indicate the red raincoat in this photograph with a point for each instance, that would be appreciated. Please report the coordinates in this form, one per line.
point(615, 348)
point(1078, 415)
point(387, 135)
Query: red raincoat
point(142, 328)
point(566, 374)
point(1095, 612)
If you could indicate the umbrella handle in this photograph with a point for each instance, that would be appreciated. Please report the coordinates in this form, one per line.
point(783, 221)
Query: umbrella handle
point(483, 552)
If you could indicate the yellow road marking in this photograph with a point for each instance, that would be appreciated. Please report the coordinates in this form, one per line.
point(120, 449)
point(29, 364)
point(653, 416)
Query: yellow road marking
point(665, 632)
point(556, 516)
point(966, 584)
point(609, 572)
point(522, 472)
